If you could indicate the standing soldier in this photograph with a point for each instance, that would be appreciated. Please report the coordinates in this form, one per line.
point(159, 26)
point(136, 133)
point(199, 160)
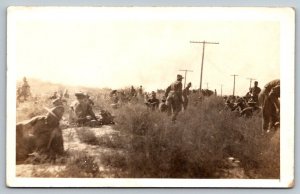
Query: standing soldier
point(24, 90)
point(269, 98)
point(174, 97)
point(132, 92)
point(185, 93)
point(254, 91)
point(141, 91)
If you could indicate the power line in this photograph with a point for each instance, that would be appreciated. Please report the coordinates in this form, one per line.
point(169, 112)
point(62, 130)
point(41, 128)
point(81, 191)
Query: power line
point(203, 49)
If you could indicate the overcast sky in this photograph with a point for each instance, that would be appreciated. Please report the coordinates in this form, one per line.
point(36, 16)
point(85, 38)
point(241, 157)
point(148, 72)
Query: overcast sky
point(129, 46)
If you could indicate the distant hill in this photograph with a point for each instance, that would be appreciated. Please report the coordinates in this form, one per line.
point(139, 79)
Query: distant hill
point(44, 88)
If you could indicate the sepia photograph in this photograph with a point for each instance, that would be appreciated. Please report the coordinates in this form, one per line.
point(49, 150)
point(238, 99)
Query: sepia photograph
point(150, 97)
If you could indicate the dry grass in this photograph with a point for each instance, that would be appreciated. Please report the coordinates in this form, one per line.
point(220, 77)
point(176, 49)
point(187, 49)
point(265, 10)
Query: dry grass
point(197, 143)
point(112, 140)
point(80, 165)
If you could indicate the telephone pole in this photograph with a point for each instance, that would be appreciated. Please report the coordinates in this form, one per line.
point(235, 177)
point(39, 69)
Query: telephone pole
point(221, 89)
point(234, 82)
point(203, 49)
point(251, 79)
point(185, 74)
point(206, 85)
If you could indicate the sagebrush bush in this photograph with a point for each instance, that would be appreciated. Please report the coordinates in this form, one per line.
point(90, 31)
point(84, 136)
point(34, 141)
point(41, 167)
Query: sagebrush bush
point(80, 165)
point(196, 144)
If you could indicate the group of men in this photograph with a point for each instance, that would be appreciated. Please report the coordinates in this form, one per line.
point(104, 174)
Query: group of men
point(174, 100)
point(47, 134)
point(267, 99)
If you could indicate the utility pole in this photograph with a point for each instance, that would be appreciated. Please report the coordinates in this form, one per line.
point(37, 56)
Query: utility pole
point(185, 74)
point(221, 89)
point(234, 82)
point(206, 85)
point(251, 79)
point(203, 49)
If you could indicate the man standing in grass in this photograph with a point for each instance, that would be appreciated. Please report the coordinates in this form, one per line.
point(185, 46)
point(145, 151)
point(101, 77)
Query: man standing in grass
point(254, 91)
point(174, 97)
point(185, 93)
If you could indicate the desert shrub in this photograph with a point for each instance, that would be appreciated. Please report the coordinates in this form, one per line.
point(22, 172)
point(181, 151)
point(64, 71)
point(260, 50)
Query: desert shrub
point(87, 136)
point(80, 165)
point(196, 144)
point(113, 159)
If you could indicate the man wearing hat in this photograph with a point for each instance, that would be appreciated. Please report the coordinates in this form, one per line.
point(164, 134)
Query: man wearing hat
point(174, 97)
point(52, 131)
point(41, 133)
point(82, 109)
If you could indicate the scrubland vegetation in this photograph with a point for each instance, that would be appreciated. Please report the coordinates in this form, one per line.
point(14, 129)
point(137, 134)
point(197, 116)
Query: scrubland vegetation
point(147, 144)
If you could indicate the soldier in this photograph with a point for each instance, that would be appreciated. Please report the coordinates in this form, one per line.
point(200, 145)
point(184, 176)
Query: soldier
point(45, 137)
point(54, 96)
point(89, 100)
point(174, 97)
point(163, 107)
point(185, 93)
point(53, 117)
point(254, 92)
point(141, 91)
point(152, 102)
point(24, 90)
point(132, 92)
point(82, 109)
point(269, 98)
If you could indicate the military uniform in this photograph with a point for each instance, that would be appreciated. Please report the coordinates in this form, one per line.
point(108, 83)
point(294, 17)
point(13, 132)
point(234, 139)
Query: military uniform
point(152, 103)
point(254, 92)
point(41, 133)
point(163, 107)
point(24, 90)
point(82, 109)
point(174, 97)
point(185, 94)
point(270, 104)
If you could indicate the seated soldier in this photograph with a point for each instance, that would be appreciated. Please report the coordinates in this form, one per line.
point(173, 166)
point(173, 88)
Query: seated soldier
point(163, 107)
point(82, 109)
point(152, 102)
